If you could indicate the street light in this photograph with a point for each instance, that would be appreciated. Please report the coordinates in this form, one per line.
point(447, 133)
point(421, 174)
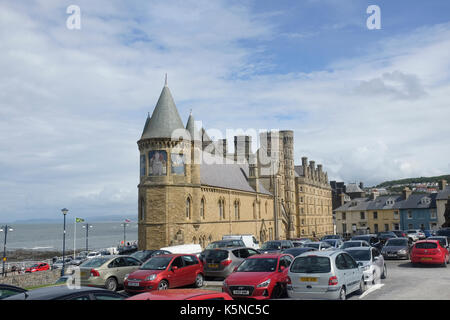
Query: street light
point(5, 229)
point(124, 225)
point(64, 212)
point(87, 226)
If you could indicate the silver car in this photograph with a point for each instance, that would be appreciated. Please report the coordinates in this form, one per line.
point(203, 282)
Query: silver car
point(372, 263)
point(354, 243)
point(324, 275)
point(318, 245)
point(220, 263)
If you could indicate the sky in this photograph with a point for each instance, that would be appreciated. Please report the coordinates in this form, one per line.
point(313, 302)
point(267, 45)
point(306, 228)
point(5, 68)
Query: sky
point(369, 104)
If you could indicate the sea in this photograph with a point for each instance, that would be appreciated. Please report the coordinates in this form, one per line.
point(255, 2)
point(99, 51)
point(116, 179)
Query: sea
point(49, 236)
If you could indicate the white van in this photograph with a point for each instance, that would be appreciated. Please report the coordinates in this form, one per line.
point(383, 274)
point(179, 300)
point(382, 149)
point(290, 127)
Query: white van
point(248, 239)
point(191, 248)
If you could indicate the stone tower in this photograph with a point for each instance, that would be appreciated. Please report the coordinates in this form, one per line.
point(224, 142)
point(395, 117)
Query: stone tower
point(169, 176)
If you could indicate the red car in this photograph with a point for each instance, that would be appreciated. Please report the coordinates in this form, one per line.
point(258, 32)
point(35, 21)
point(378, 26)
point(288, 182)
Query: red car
point(430, 252)
point(262, 276)
point(182, 294)
point(38, 267)
point(165, 271)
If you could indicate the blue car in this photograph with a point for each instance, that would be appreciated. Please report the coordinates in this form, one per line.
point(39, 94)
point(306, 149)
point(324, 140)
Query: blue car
point(429, 233)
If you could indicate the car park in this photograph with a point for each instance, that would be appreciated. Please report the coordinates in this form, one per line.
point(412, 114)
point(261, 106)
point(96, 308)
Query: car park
point(371, 261)
point(42, 266)
point(167, 271)
point(384, 236)
point(144, 255)
point(354, 243)
point(248, 239)
point(429, 252)
point(319, 245)
point(107, 271)
point(66, 293)
point(226, 244)
point(297, 251)
point(182, 294)
point(276, 246)
point(443, 240)
point(330, 274)
point(372, 239)
point(7, 290)
point(334, 243)
point(220, 263)
point(259, 277)
point(396, 248)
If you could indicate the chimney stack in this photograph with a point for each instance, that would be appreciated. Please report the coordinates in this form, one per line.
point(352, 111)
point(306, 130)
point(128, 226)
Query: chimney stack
point(361, 186)
point(406, 193)
point(442, 184)
point(221, 148)
point(242, 148)
point(304, 165)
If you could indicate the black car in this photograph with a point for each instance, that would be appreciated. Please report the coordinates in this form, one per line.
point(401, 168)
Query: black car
point(144, 255)
point(7, 290)
point(384, 236)
point(397, 248)
point(226, 244)
point(66, 293)
point(297, 251)
point(127, 250)
point(372, 239)
point(444, 232)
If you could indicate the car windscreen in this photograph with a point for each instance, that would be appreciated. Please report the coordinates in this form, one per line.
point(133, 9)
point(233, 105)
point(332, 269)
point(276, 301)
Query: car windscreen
point(360, 255)
point(216, 254)
point(271, 245)
point(94, 263)
point(313, 245)
point(331, 242)
point(297, 251)
point(219, 244)
point(141, 255)
point(156, 263)
point(426, 245)
point(442, 241)
point(396, 242)
point(361, 238)
point(258, 265)
point(311, 264)
point(351, 244)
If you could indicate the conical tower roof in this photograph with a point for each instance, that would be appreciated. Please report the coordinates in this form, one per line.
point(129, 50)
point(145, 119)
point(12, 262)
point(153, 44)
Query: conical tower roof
point(192, 128)
point(165, 118)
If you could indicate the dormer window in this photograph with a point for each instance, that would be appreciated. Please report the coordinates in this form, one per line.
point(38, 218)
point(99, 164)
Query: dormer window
point(390, 202)
point(425, 200)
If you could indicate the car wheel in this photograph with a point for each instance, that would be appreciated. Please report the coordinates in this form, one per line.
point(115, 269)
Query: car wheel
point(163, 285)
point(199, 281)
point(384, 274)
point(362, 286)
point(342, 294)
point(111, 284)
point(277, 292)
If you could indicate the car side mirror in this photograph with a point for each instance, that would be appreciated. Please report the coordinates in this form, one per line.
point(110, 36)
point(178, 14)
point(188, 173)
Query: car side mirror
point(281, 269)
point(174, 268)
point(360, 264)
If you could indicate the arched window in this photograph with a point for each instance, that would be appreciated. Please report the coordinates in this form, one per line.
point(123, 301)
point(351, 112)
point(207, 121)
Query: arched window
point(237, 214)
point(202, 208)
point(142, 209)
point(188, 208)
point(254, 210)
point(221, 209)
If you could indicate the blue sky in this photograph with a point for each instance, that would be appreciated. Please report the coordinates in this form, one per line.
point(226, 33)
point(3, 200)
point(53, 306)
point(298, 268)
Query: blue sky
point(370, 105)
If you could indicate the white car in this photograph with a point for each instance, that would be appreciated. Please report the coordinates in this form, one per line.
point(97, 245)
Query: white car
point(372, 263)
point(93, 254)
point(415, 234)
point(324, 275)
point(318, 245)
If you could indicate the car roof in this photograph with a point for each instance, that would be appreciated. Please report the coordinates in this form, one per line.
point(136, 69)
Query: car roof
point(228, 248)
point(324, 253)
point(358, 248)
point(174, 294)
point(53, 292)
point(267, 255)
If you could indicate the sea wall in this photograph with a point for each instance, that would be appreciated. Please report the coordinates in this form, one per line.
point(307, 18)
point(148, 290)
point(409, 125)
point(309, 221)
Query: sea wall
point(27, 280)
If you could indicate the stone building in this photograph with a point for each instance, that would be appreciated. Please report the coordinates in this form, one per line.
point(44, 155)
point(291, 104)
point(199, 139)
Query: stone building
point(441, 200)
point(192, 190)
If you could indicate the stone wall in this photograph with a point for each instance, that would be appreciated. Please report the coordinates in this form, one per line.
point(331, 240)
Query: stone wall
point(27, 280)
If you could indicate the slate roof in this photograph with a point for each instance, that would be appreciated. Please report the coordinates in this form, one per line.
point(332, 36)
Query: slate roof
point(165, 118)
point(357, 204)
point(444, 194)
point(352, 187)
point(192, 128)
point(381, 202)
point(298, 171)
point(414, 201)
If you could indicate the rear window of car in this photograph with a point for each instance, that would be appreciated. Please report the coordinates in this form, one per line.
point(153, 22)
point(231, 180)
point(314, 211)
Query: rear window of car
point(216, 254)
point(311, 264)
point(426, 245)
point(95, 262)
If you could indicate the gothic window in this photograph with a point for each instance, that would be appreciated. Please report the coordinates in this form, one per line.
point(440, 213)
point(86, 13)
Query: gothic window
point(254, 210)
point(142, 210)
point(188, 208)
point(236, 210)
point(202, 208)
point(221, 209)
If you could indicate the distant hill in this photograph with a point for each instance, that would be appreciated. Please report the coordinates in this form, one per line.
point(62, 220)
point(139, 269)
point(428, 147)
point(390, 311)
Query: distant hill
point(108, 218)
point(435, 179)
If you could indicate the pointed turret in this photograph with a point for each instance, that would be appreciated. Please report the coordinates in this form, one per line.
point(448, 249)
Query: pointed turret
point(165, 118)
point(192, 128)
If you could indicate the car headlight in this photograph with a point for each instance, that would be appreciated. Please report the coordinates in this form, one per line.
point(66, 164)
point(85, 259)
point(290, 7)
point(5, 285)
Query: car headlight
point(402, 251)
point(264, 284)
point(151, 277)
point(365, 268)
point(126, 277)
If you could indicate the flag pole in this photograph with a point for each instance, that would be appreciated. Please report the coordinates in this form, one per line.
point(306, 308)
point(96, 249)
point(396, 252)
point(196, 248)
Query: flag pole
point(74, 237)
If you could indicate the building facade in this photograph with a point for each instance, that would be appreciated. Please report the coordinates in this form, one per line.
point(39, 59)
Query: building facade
point(192, 190)
point(441, 199)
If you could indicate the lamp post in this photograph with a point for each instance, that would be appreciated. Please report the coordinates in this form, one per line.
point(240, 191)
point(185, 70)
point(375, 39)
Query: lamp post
point(87, 226)
point(124, 225)
point(64, 212)
point(5, 229)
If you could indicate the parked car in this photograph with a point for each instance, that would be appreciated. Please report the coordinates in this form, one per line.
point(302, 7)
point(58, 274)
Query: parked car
point(276, 246)
point(248, 239)
point(225, 244)
point(166, 271)
point(429, 252)
point(297, 251)
point(384, 236)
point(330, 274)
point(144, 255)
point(372, 239)
point(397, 248)
point(93, 254)
point(59, 263)
point(78, 260)
point(66, 293)
point(354, 243)
point(42, 266)
point(400, 233)
point(189, 248)
point(371, 261)
point(415, 234)
point(182, 294)
point(429, 233)
point(334, 243)
point(319, 245)
point(331, 236)
point(221, 262)
point(443, 240)
point(128, 249)
point(7, 290)
point(107, 271)
point(444, 232)
point(259, 277)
